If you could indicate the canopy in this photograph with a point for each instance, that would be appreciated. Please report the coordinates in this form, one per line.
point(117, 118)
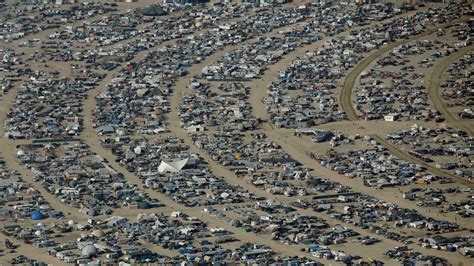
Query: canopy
point(172, 167)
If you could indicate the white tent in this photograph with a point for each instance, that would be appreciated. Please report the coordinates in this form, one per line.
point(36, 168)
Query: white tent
point(20, 153)
point(138, 150)
point(89, 251)
point(173, 167)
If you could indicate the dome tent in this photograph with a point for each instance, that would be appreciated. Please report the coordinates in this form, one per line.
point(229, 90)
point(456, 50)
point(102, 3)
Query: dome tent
point(20, 153)
point(89, 251)
point(37, 215)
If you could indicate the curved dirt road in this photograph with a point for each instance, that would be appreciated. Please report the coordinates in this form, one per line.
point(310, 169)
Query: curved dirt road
point(348, 106)
point(434, 91)
point(345, 98)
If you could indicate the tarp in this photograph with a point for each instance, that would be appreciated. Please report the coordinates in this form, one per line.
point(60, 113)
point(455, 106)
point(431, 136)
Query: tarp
point(172, 167)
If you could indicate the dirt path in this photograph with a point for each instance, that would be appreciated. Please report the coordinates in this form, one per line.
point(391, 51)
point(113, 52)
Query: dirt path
point(347, 104)
point(211, 221)
point(30, 251)
point(259, 86)
point(436, 171)
point(435, 91)
point(346, 99)
point(7, 153)
point(44, 34)
point(296, 147)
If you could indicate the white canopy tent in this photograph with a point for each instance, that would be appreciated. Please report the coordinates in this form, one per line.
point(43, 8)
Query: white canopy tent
point(172, 167)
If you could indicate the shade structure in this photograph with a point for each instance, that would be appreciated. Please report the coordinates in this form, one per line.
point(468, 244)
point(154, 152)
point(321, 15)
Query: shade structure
point(172, 167)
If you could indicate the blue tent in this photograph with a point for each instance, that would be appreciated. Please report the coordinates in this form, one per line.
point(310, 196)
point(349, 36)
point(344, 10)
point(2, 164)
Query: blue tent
point(37, 215)
point(52, 124)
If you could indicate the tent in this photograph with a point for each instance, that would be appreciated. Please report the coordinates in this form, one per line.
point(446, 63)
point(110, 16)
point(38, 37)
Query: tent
point(20, 153)
point(172, 167)
point(37, 215)
point(89, 251)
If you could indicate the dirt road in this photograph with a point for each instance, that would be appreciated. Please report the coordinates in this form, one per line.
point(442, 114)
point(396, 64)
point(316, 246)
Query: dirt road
point(435, 91)
point(91, 138)
point(345, 98)
point(436, 171)
point(30, 251)
point(8, 154)
point(347, 104)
